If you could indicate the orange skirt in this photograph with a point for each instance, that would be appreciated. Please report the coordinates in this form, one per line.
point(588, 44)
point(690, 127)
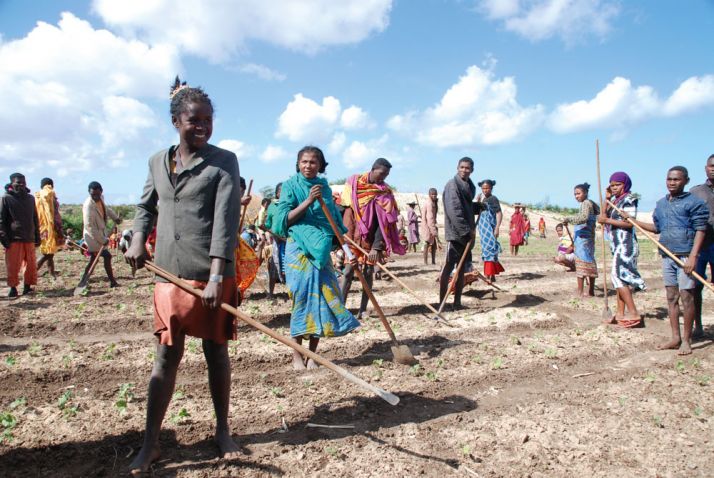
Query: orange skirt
point(178, 312)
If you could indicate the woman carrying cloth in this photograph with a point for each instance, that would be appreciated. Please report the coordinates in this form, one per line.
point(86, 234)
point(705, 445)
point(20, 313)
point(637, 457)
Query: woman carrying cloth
point(625, 249)
point(317, 310)
point(584, 237)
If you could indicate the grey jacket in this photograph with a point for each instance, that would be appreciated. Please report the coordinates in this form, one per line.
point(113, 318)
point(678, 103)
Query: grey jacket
point(95, 225)
point(199, 217)
point(459, 211)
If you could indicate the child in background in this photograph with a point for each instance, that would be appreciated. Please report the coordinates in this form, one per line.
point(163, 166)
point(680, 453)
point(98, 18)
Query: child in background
point(565, 255)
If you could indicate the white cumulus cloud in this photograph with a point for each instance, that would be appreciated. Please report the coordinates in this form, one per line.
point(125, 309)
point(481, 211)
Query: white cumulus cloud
point(355, 117)
point(477, 110)
point(261, 71)
point(239, 148)
point(74, 97)
point(536, 20)
point(306, 120)
point(620, 104)
point(218, 29)
point(274, 153)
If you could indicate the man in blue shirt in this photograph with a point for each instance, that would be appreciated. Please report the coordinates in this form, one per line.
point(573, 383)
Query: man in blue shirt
point(680, 219)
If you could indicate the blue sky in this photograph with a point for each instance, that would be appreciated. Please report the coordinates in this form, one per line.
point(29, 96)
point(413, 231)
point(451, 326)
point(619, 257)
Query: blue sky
point(524, 87)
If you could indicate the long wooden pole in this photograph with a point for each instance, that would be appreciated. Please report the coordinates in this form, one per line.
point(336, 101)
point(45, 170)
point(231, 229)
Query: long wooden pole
point(245, 209)
point(399, 281)
point(602, 208)
point(676, 259)
point(383, 394)
point(358, 273)
point(452, 284)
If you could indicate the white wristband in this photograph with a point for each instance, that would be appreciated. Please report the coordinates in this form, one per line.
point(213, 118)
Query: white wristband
point(215, 278)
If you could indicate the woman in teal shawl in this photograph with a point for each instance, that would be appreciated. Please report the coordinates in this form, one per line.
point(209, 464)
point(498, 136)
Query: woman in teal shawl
point(317, 310)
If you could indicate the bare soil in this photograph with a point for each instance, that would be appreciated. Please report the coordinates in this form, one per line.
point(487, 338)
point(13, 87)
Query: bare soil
point(525, 382)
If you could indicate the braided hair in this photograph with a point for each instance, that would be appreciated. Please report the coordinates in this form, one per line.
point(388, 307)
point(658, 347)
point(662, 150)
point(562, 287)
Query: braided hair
point(182, 95)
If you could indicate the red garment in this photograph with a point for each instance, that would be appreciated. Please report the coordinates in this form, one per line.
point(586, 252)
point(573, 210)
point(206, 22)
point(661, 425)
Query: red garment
point(517, 229)
point(17, 255)
point(492, 268)
point(179, 312)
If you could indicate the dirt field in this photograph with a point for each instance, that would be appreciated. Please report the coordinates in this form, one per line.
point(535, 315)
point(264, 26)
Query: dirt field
point(526, 383)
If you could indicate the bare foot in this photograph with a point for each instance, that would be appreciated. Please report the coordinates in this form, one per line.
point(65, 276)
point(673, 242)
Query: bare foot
point(298, 363)
point(612, 320)
point(671, 345)
point(311, 365)
point(143, 461)
point(229, 449)
point(685, 348)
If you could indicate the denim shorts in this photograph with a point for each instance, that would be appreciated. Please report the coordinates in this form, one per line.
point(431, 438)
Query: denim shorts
point(674, 275)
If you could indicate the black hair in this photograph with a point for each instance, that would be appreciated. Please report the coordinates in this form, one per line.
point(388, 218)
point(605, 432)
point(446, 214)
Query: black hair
point(278, 187)
point(560, 224)
point(264, 202)
point(433, 190)
point(466, 159)
point(381, 163)
point(317, 152)
point(585, 187)
point(94, 185)
point(45, 181)
point(490, 182)
point(241, 182)
point(182, 95)
point(14, 176)
point(681, 169)
point(710, 157)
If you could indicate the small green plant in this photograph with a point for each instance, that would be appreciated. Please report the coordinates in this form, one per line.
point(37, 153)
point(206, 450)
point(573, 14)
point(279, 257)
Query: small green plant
point(698, 411)
point(515, 340)
point(34, 349)
point(416, 370)
point(68, 408)
point(151, 356)
point(622, 401)
point(67, 360)
point(121, 306)
point(18, 402)
point(377, 362)
point(10, 361)
point(551, 353)
point(497, 363)
point(178, 394)
point(431, 376)
point(658, 421)
point(179, 417)
point(276, 392)
point(650, 377)
point(192, 345)
point(679, 366)
point(331, 450)
point(466, 450)
point(64, 399)
point(124, 396)
point(509, 316)
point(477, 359)
point(307, 383)
point(695, 363)
point(8, 422)
point(703, 380)
point(109, 352)
point(440, 363)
